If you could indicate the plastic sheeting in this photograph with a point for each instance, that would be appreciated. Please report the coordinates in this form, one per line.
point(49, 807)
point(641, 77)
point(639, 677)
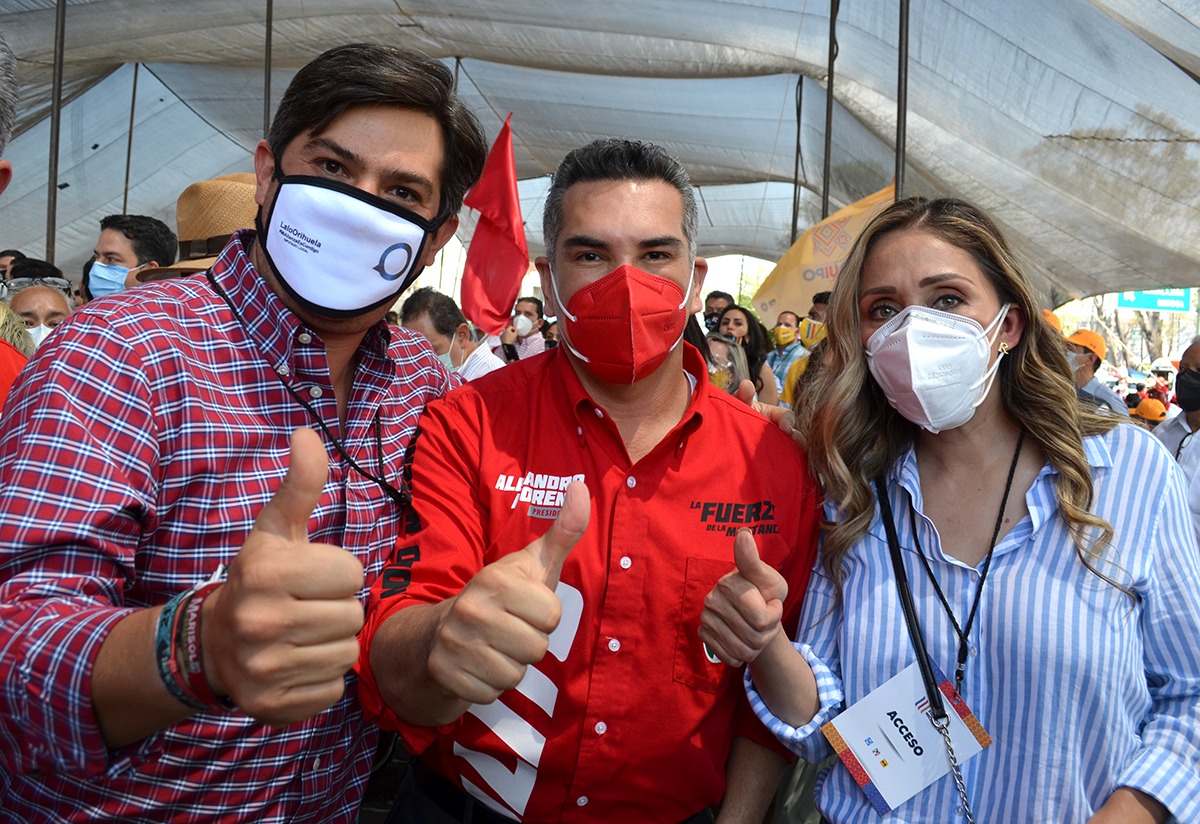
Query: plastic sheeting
point(1075, 123)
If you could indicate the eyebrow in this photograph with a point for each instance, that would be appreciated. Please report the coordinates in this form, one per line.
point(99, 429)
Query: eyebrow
point(354, 159)
point(649, 243)
point(931, 280)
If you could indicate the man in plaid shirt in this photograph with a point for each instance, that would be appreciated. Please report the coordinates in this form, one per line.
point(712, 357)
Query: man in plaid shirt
point(144, 451)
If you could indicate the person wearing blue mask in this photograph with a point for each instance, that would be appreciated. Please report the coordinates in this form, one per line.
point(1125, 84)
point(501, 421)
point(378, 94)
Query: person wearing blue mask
point(439, 320)
point(127, 244)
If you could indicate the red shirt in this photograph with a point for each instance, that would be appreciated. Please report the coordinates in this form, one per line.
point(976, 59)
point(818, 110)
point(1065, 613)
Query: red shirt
point(625, 719)
point(137, 448)
point(11, 361)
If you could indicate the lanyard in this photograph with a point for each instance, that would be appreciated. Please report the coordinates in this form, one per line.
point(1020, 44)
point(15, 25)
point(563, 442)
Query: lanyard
point(964, 633)
point(937, 707)
point(401, 496)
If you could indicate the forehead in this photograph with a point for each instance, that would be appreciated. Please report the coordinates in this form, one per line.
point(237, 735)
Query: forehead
point(1191, 355)
point(526, 307)
point(623, 210)
point(39, 299)
point(422, 325)
point(904, 258)
point(386, 138)
point(113, 240)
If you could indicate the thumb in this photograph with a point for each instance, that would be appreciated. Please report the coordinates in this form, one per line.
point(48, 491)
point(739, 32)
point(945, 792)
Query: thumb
point(745, 392)
point(286, 514)
point(551, 550)
point(755, 570)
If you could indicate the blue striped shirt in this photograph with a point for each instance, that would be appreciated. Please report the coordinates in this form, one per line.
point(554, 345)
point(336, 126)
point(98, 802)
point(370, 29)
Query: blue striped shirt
point(1082, 689)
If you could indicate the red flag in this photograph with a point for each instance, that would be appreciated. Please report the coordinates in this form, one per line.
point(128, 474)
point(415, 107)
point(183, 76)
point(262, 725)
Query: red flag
point(497, 258)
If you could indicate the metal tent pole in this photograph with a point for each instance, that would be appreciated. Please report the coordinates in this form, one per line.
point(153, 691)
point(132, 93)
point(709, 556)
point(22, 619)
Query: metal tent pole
point(833, 50)
point(60, 28)
point(129, 140)
point(270, 26)
point(902, 100)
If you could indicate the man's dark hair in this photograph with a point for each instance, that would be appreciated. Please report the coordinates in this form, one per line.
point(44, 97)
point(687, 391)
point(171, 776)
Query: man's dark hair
point(821, 298)
point(725, 296)
point(12, 253)
point(441, 309)
point(535, 301)
point(150, 238)
point(617, 159)
point(371, 74)
point(27, 267)
point(8, 94)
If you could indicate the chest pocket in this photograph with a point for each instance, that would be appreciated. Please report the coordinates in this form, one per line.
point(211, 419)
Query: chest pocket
point(692, 667)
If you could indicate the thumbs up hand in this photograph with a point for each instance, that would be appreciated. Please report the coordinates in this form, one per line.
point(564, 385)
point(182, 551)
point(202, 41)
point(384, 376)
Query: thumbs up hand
point(279, 635)
point(501, 621)
point(742, 614)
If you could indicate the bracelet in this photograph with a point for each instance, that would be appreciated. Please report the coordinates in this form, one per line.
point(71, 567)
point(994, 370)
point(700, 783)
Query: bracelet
point(187, 639)
point(164, 648)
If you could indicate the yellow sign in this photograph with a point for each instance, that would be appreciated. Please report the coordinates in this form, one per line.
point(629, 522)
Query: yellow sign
point(815, 259)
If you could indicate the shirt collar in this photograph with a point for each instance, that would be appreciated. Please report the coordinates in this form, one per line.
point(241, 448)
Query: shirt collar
point(271, 326)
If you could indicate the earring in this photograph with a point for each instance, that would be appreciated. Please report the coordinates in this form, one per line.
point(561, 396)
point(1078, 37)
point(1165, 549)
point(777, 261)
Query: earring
point(1002, 348)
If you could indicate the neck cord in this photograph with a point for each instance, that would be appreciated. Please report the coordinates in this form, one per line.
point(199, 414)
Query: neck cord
point(964, 633)
point(401, 496)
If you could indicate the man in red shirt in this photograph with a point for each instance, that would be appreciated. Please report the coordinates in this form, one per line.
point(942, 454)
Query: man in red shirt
point(535, 639)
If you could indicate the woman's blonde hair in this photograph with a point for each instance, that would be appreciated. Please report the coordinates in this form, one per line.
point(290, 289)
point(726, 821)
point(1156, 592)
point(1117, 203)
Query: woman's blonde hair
point(854, 435)
point(12, 329)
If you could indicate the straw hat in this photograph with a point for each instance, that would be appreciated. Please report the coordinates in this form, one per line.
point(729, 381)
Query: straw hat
point(206, 215)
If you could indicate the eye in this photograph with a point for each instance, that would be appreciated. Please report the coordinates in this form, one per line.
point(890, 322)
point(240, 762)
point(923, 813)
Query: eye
point(947, 302)
point(882, 311)
point(330, 167)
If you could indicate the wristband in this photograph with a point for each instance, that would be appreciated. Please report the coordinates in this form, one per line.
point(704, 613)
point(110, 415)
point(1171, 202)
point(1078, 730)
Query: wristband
point(164, 648)
point(191, 673)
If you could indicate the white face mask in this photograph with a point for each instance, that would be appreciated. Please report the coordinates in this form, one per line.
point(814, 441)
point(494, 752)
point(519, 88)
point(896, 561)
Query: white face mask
point(340, 251)
point(933, 365)
point(39, 333)
point(523, 325)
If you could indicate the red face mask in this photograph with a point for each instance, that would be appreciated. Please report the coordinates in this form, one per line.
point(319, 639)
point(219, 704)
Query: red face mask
point(623, 326)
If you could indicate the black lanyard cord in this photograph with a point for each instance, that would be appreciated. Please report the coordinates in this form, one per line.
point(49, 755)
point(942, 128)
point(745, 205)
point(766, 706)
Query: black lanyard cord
point(964, 633)
point(936, 706)
point(401, 496)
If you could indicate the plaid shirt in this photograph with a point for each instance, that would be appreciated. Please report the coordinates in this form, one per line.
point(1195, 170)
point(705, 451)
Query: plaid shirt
point(137, 447)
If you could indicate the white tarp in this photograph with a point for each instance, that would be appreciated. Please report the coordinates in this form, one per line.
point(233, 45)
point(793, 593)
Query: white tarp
point(1076, 123)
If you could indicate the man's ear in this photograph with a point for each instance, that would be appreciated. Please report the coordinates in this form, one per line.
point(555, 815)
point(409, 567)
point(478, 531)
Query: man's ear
point(440, 238)
point(264, 171)
point(695, 304)
point(549, 306)
point(463, 333)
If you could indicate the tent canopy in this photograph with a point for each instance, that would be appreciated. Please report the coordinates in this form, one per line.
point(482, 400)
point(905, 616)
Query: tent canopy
point(1075, 123)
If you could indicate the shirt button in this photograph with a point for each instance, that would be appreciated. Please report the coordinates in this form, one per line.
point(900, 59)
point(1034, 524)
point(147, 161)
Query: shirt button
point(599, 414)
point(315, 392)
point(601, 728)
point(304, 337)
point(959, 810)
point(973, 650)
point(626, 562)
point(283, 371)
point(613, 645)
point(579, 430)
point(631, 482)
point(317, 763)
point(581, 801)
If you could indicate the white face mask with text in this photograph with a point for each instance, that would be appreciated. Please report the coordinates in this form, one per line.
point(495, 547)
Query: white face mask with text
point(933, 365)
point(340, 251)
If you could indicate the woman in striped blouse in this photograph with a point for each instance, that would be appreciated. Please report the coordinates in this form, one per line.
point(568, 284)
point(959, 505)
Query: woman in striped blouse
point(1049, 557)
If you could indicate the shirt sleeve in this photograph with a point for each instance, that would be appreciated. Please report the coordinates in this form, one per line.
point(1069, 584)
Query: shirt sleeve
point(78, 458)
point(1164, 767)
point(817, 642)
point(442, 543)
